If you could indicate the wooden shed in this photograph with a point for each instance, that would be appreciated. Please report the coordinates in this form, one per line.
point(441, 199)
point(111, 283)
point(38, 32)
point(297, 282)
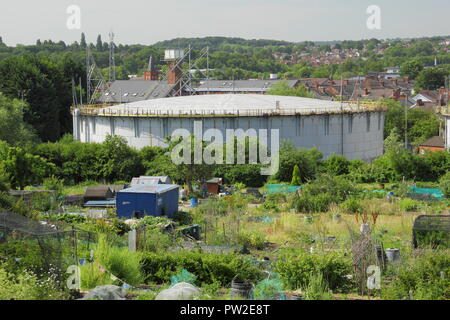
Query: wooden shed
point(213, 185)
point(98, 193)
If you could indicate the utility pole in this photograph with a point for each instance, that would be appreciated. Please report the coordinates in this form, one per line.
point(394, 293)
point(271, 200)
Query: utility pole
point(406, 121)
point(112, 60)
point(342, 116)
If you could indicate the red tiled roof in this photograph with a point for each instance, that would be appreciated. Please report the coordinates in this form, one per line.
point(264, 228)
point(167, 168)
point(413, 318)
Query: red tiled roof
point(437, 142)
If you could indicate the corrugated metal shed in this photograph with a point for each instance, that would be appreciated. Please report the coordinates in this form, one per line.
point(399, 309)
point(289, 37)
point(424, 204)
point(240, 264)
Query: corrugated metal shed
point(101, 204)
point(143, 200)
point(150, 188)
point(117, 187)
point(151, 180)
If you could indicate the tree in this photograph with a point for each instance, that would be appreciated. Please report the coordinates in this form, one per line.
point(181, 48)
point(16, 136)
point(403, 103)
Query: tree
point(118, 161)
point(430, 79)
point(83, 43)
point(22, 168)
point(422, 124)
point(99, 45)
point(411, 68)
point(46, 88)
point(336, 165)
point(187, 171)
point(296, 179)
point(13, 129)
point(306, 159)
point(1, 42)
point(282, 88)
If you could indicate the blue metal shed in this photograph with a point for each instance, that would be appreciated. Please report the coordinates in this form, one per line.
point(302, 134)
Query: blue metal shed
point(148, 200)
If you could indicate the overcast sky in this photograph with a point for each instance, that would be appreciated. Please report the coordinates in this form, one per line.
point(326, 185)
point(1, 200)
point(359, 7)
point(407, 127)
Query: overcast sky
point(150, 21)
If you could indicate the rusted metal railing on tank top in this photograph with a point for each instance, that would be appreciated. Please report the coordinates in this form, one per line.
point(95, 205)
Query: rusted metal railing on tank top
point(347, 107)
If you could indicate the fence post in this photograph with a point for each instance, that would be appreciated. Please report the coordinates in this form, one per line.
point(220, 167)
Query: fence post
point(132, 241)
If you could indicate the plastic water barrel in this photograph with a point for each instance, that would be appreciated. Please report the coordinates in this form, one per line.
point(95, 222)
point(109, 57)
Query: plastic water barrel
point(241, 289)
point(393, 254)
point(194, 202)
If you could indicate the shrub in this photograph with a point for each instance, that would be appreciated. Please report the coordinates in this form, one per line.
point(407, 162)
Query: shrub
point(27, 286)
point(91, 276)
point(66, 218)
point(53, 183)
point(444, 185)
point(254, 239)
point(308, 203)
point(208, 268)
point(271, 205)
point(122, 263)
point(296, 270)
point(183, 218)
point(422, 276)
point(239, 186)
point(336, 165)
point(352, 206)
point(6, 202)
point(44, 202)
point(409, 205)
point(307, 160)
point(296, 179)
point(317, 288)
point(159, 241)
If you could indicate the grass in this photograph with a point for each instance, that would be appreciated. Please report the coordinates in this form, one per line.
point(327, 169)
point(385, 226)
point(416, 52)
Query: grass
point(289, 227)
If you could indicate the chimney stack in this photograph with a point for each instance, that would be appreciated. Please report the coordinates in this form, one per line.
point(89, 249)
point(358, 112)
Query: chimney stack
point(172, 57)
point(151, 74)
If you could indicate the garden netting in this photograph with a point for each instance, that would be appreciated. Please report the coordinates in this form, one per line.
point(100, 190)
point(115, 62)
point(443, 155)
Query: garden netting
point(281, 188)
point(41, 247)
point(432, 193)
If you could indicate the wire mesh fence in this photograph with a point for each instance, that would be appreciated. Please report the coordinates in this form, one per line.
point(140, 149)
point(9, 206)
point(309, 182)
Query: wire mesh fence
point(40, 247)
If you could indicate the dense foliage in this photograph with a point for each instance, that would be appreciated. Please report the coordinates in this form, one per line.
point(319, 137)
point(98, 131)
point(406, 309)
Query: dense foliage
point(425, 277)
point(208, 268)
point(296, 270)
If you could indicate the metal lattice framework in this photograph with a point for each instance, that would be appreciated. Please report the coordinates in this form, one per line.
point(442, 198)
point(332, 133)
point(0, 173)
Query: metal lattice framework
point(184, 81)
point(96, 84)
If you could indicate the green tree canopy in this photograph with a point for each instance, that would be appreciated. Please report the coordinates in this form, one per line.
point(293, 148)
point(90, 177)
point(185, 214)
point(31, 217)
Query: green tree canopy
point(13, 129)
point(431, 79)
point(22, 168)
point(411, 68)
point(282, 88)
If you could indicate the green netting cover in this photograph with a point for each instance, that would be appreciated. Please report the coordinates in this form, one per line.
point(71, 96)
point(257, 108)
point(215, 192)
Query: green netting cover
point(435, 193)
point(281, 188)
point(269, 289)
point(183, 277)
